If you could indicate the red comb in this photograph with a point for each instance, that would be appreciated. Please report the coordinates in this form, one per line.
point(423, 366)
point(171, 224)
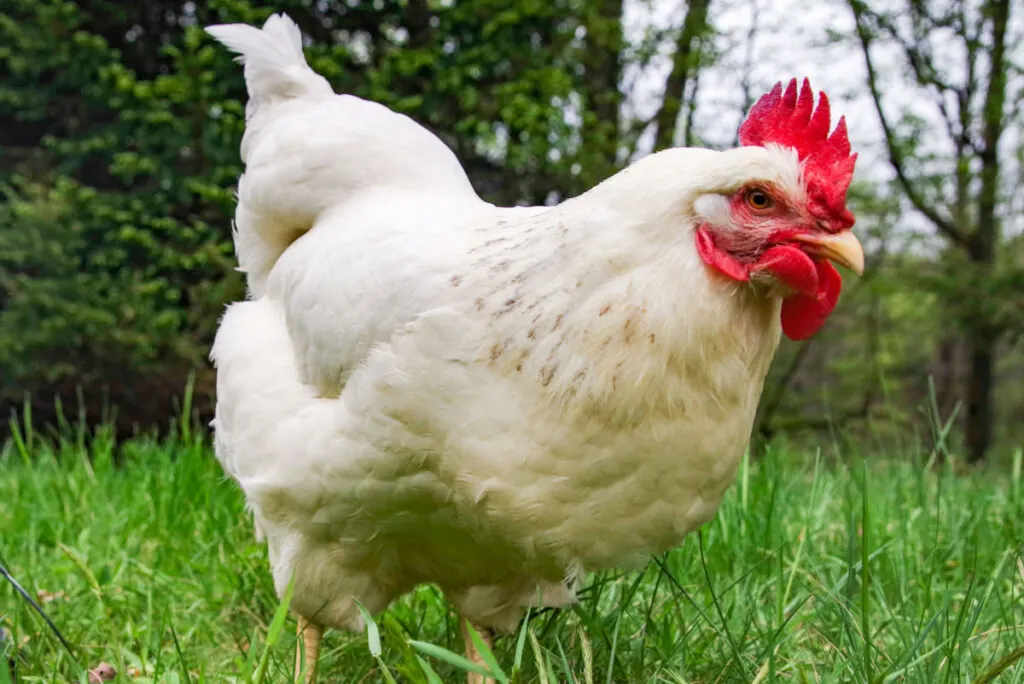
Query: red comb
point(789, 119)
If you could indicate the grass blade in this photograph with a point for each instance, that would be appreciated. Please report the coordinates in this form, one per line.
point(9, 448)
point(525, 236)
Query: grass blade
point(432, 676)
point(372, 631)
point(485, 652)
point(42, 613)
point(274, 632)
point(454, 659)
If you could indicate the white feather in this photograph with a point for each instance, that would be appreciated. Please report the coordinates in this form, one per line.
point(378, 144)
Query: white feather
point(275, 68)
point(307, 149)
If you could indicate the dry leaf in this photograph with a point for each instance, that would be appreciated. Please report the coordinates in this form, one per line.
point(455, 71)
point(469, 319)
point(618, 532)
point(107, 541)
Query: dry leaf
point(48, 597)
point(103, 672)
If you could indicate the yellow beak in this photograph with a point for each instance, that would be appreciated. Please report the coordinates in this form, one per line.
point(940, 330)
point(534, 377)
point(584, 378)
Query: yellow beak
point(843, 248)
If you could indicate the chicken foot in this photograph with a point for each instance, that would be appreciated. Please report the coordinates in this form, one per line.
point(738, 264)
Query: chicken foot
point(308, 644)
point(473, 654)
point(307, 649)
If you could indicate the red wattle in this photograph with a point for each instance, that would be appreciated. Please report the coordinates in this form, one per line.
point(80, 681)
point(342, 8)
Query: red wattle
point(791, 266)
point(803, 315)
point(816, 284)
point(719, 259)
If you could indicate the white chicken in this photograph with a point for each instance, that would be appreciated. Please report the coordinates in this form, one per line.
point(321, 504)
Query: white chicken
point(424, 387)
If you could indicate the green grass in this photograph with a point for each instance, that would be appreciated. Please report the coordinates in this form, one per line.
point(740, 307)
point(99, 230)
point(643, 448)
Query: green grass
point(810, 572)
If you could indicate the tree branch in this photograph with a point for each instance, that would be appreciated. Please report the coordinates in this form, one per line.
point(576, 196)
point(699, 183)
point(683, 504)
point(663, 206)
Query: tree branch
point(943, 224)
point(685, 62)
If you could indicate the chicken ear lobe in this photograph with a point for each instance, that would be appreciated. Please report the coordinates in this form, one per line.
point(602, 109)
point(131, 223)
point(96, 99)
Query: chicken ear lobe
point(804, 314)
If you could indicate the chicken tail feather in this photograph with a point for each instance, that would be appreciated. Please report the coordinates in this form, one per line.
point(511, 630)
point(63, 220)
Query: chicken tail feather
point(275, 68)
point(276, 204)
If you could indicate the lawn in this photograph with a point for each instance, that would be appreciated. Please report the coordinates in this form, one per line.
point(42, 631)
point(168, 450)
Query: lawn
point(813, 570)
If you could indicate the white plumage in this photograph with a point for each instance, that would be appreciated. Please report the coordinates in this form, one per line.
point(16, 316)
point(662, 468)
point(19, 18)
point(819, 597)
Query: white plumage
point(426, 387)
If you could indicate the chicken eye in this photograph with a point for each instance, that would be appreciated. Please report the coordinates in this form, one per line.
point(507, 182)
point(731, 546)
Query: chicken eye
point(759, 200)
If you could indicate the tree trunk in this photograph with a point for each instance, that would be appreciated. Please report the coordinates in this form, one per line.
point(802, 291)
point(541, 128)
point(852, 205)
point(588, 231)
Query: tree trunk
point(983, 337)
point(685, 64)
point(602, 64)
point(978, 430)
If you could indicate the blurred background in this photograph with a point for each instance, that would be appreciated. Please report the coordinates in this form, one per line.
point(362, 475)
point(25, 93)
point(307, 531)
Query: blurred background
point(120, 124)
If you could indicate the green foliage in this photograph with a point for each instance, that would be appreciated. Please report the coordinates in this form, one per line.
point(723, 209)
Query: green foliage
point(114, 253)
point(957, 173)
point(119, 133)
point(809, 572)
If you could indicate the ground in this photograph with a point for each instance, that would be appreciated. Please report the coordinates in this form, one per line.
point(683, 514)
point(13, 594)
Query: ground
point(149, 566)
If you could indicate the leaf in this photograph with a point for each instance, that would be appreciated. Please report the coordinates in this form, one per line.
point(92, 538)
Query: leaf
point(104, 672)
point(485, 652)
point(432, 676)
point(372, 632)
point(82, 565)
point(274, 632)
point(588, 657)
point(539, 659)
point(449, 657)
point(521, 642)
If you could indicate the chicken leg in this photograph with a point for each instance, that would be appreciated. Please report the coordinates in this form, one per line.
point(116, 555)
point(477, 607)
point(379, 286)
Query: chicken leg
point(473, 654)
point(308, 644)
